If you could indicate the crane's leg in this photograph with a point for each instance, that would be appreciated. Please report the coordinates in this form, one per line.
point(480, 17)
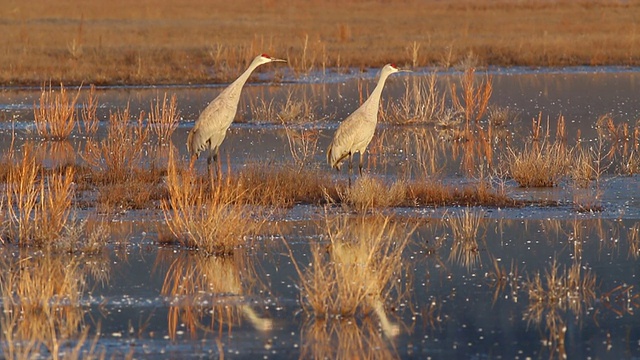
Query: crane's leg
point(361, 155)
point(216, 158)
point(350, 167)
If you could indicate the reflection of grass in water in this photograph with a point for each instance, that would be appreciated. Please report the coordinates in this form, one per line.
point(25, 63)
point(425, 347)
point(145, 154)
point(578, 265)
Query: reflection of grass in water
point(344, 339)
point(465, 227)
point(555, 294)
point(359, 271)
point(207, 288)
point(40, 306)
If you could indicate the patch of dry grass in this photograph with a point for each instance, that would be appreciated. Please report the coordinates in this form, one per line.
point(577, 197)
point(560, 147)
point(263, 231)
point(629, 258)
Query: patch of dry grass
point(359, 271)
point(206, 215)
point(368, 193)
point(473, 98)
point(538, 166)
point(420, 103)
point(55, 117)
point(164, 117)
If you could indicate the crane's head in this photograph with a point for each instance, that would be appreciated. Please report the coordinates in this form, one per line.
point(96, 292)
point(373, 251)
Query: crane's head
point(392, 68)
point(264, 59)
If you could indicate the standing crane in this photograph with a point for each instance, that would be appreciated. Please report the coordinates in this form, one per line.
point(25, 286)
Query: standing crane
point(356, 131)
point(212, 124)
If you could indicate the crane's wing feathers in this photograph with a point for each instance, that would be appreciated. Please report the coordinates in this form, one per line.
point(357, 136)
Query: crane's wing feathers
point(211, 126)
point(353, 135)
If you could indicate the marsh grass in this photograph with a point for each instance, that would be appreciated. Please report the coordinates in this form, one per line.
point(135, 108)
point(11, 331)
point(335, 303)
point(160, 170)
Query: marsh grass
point(164, 117)
point(90, 121)
point(38, 207)
point(55, 117)
point(368, 193)
point(420, 103)
point(501, 278)
point(295, 108)
point(205, 215)
point(538, 166)
point(473, 98)
point(360, 270)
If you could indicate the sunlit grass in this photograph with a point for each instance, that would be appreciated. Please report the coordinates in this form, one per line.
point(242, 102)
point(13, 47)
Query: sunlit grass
point(55, 116)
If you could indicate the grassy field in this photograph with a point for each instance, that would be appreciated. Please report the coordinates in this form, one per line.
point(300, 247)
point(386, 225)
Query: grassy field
point(198, 41)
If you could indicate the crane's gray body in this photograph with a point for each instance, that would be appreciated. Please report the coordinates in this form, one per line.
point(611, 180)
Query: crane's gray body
point(355, 133)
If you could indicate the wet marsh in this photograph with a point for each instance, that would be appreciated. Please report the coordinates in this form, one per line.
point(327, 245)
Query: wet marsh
point(438, 250)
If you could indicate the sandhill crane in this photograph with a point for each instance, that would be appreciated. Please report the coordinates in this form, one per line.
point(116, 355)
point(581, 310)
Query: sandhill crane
point(356, 131)
point(212, 124)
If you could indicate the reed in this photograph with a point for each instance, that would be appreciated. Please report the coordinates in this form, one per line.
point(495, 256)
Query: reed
point(55, 116)
point(90, 121)
point(359, 271)
point(473, 99)
point(164, 117)
point(205, 215)
point(420, 103)
point(369, 193)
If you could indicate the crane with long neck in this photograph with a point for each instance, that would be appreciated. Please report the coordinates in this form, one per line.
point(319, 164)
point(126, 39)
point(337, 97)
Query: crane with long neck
point(211, 127)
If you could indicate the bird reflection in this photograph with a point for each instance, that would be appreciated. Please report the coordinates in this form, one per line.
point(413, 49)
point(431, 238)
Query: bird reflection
point(207, 293)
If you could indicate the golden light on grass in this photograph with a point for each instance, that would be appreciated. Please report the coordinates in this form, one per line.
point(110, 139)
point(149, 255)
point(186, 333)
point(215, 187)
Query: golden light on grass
point(38, 208)
point(369, 193)
point(554, 295)
point(473, 99)
point(55, 116)
point(90, 121)
point(164, 117)
point(208, 293)
point(209, 216)
point(359, 272)
point(420, 103)
point(541, 166)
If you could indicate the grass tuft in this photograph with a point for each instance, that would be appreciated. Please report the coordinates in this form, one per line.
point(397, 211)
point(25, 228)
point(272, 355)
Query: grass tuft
point(55, 117)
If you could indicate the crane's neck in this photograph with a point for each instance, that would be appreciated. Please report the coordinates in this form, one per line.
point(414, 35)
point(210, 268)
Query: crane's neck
point(235, 88)
point(373, 102)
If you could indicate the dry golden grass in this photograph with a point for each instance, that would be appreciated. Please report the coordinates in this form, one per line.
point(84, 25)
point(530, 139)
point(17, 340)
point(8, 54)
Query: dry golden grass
point(38, 208)
point(420, 103)
point(164, 117)
point(166, 42)
point(538, 166)
point(473, 98)
point(368, 193)
point(209, 216)
point(90, 121)
point(295, 108)
point(360, 270)
point(55, 116)
point(433, 193)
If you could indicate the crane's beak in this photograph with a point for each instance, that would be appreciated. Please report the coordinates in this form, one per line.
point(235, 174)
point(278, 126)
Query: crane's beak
point(278, 60)
point(408, 71)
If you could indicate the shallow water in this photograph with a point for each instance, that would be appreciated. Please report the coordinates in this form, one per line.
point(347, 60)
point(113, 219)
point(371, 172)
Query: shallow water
point(462, 299)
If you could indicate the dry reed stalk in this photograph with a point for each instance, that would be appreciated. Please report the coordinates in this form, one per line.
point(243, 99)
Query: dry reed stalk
point(582, 171)
point(464, 228)
point(302, 145)
point(433, 193)
point(213, 220)
point(89, 118)
point(295, 108)
point(164, 118)
point(361, 270)
point(55, 117)
point(538, 168)
point(40, 303)
point(474, 99)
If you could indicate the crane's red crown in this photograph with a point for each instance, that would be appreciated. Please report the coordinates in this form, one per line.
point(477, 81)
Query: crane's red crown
point(394, 66)
point(265, 55)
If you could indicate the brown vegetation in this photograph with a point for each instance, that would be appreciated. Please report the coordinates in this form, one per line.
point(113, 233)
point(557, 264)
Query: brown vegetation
point(140, 42)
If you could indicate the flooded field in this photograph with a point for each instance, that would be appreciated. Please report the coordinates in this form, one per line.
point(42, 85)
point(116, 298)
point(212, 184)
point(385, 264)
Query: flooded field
point(554, 275)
